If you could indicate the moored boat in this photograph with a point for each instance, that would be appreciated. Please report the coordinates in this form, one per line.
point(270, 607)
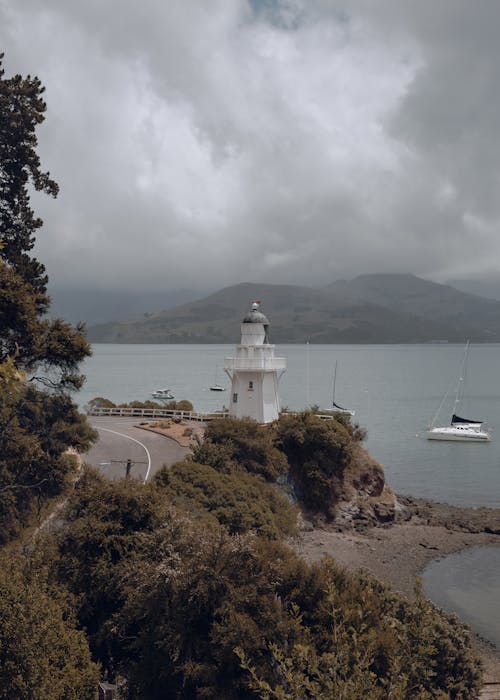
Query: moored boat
point(164, 394)
point(460, 429)
point(335, 406)
point(459, 432)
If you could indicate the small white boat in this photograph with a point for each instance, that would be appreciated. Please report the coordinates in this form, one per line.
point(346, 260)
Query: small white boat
point(460, 429)
point(164, 394)
point(335, 406)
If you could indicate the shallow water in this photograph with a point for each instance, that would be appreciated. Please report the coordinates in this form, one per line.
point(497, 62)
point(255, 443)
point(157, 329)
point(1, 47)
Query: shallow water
point(467, 583)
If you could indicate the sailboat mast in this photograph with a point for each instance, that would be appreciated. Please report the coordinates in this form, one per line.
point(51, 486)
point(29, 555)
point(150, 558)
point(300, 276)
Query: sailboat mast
point(334, 382)
point(307, 375)
point(460, 386)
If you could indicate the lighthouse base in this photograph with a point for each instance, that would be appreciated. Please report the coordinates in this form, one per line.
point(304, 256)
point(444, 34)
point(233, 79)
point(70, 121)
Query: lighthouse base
point(255, 395)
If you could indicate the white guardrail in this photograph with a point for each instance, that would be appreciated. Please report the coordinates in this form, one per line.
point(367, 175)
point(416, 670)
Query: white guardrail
point(156, 413)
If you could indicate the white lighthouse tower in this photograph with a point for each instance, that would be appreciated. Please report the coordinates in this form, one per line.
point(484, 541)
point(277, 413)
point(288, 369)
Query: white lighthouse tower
point(255, 371)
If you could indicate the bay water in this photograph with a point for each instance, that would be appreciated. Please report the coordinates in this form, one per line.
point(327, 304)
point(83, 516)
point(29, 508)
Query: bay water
point(395, 391)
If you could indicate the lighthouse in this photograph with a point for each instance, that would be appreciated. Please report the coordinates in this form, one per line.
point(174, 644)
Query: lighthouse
point(254, 371)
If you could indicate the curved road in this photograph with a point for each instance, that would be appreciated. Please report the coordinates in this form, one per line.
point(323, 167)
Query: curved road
point(120, 440)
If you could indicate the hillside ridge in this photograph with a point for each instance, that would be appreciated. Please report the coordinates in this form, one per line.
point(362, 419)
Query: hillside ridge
point(371, 308)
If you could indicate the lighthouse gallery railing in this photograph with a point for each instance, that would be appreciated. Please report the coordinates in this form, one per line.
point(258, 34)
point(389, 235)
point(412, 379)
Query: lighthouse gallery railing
point(269, 364)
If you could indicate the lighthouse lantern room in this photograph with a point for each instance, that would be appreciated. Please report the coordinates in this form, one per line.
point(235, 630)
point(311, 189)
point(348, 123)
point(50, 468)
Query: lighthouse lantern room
point(255, 371)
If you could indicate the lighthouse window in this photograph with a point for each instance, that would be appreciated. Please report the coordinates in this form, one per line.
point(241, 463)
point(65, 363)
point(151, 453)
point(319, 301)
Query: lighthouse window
point(235, 398)
point(250, 386)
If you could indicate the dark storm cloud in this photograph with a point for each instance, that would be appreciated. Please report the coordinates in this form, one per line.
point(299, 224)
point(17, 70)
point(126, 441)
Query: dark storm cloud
point(200, 144)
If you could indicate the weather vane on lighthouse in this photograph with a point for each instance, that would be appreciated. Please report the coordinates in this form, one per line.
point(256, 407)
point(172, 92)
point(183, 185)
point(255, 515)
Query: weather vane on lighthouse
point(255, 371)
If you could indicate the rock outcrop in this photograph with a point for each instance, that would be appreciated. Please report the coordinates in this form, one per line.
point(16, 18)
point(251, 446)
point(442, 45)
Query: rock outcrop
point(364, 498)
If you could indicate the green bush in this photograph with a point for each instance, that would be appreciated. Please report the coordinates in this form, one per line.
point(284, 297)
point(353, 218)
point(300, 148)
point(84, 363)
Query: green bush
point(42, 654)
point(104, 523)
point(100, 402)
point(231, 443)
point(360, 640)
point(238, 500)
point(318, 451)
point(36, 429)
point(183, 405)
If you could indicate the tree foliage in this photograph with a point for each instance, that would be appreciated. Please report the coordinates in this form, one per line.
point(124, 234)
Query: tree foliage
point(376, 646)
point(102, 402)
point(36, 429)
point(318, 451)
point(238, 500)
point(42, 655)
point(301, 450)
point(105, 522)
point(25, 333)
point(36, 426)
point(231, 443)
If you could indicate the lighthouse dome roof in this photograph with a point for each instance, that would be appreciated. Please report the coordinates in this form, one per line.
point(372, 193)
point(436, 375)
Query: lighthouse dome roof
point(255, 316)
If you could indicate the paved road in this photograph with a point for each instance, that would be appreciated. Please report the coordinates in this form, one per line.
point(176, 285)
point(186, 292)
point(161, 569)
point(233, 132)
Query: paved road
point(120, 440)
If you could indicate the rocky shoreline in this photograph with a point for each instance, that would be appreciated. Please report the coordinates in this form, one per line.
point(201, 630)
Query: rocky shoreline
point(397, 553)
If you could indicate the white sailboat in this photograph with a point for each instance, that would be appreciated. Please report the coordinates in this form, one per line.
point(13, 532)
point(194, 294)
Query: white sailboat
point(335, 406)
point(459, 429)
point(216, 386)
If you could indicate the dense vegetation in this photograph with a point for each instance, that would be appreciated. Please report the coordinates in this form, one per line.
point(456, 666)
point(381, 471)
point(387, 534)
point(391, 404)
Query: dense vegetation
point(184, 586)
point(185, 609)
point(42, 654)
point(38, 421)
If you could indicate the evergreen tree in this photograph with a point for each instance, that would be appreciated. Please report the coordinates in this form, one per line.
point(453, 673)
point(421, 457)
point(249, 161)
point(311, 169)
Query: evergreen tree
point(38, 421)
point(25, 334)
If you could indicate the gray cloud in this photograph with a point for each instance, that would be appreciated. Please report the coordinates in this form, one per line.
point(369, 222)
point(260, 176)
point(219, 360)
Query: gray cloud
point(294, 141)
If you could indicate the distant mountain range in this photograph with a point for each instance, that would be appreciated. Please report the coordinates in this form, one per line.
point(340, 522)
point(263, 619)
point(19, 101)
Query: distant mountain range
point(378, 308)
point(97, 306)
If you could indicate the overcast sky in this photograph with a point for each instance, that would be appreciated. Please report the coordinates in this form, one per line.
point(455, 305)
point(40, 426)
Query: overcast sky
point(201, 143)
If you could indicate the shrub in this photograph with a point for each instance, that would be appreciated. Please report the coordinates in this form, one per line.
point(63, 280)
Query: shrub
point(238, 500)
point(183, 405)
point(43, 654)
point(231, 443)
point(100, 402)
point(318, 451)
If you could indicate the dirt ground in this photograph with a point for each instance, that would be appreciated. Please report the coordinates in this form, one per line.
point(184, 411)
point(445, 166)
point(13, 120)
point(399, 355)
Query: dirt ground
point(184, 432)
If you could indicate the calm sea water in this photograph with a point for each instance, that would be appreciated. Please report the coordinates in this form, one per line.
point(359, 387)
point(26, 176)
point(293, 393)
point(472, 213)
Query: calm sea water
point(395, 391)
point(466, 583)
